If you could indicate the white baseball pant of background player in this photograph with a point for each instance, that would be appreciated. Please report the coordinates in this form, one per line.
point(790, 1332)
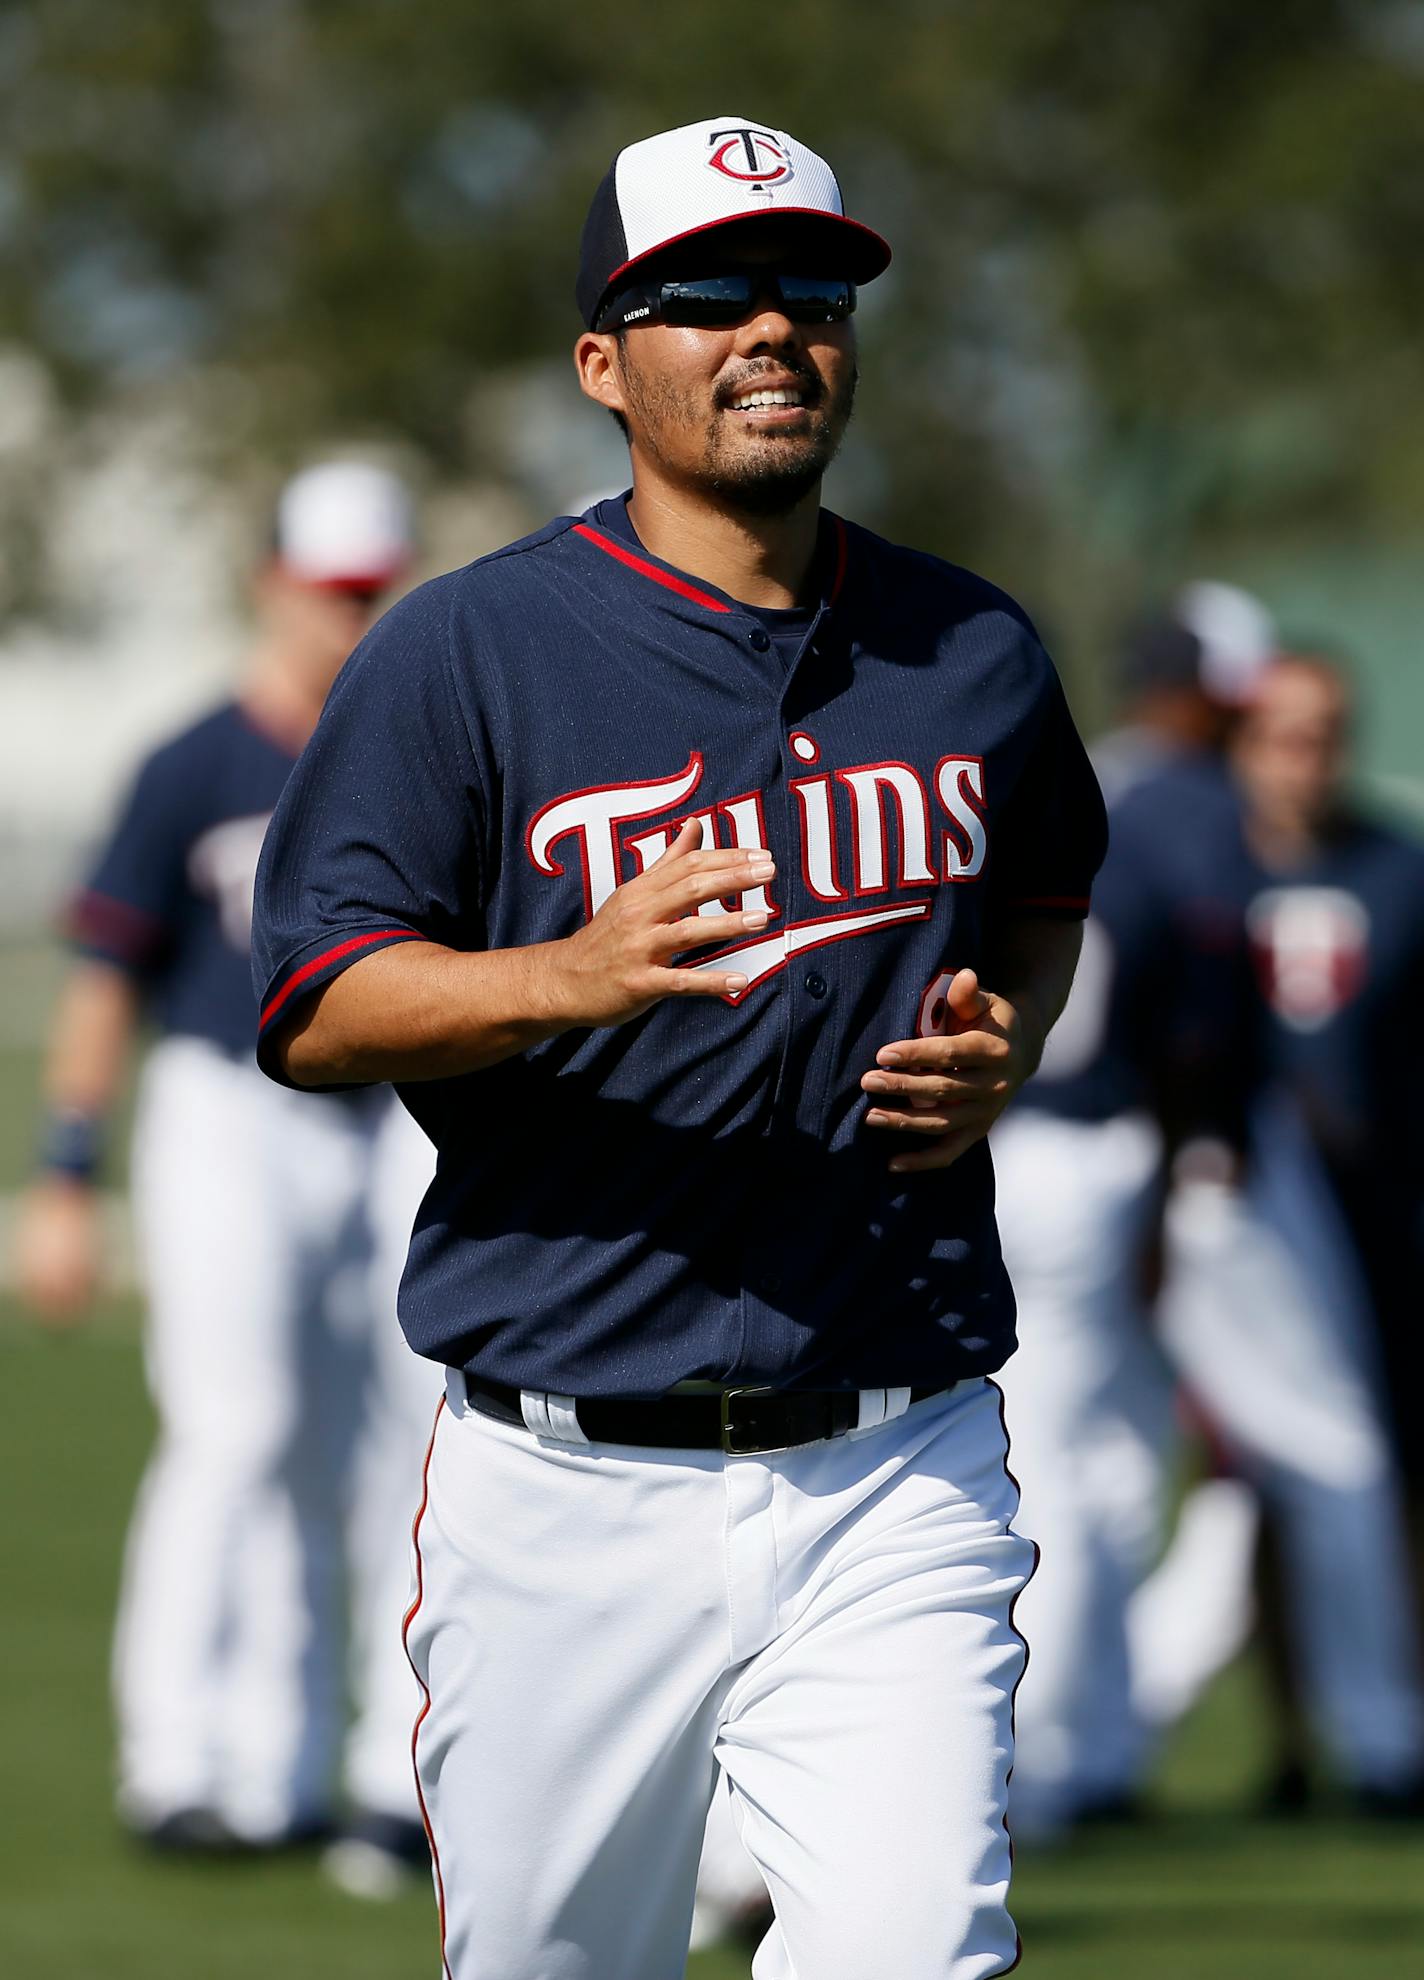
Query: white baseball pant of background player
point(251, 1205)
point(596, 1627)
point(1088, 1400)
point(1262, 1316)
point(1257, 1318)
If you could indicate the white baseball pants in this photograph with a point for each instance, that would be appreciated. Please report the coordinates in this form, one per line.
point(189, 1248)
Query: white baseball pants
point(403, 1389)
point(1089, 1400)
point(1261, 1317)
point(596, 1627)
point(252, 1209)
point(1257, 1318)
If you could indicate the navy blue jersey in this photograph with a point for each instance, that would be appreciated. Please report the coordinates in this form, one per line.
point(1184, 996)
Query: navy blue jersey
point(170, 899)
point(787, 625)
point(1163, 1014)
point(1338, 946)
point(692, 1194)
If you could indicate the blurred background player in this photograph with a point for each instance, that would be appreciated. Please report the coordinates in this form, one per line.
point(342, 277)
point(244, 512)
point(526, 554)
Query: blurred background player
point(1337, 934)
point(268, 1285)
point(1157, 1081)
point(1335, 920)
point(1079, 1164)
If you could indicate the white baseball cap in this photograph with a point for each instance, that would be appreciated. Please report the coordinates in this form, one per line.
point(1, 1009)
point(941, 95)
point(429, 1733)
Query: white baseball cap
point(669, 188)
point(344, 523)
point(1237, 636)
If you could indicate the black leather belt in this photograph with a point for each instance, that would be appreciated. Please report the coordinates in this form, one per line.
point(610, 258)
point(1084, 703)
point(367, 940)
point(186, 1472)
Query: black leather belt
point(742, 1422)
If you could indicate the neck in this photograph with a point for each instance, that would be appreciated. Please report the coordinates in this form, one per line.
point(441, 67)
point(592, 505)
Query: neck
point(1185, 720)
point(280, 698)
point(761, 560)
point(1283, 840)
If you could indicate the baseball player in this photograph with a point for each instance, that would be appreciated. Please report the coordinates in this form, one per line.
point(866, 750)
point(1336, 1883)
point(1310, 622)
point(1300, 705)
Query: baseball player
point(1337, 933)
point(706, 872)
point(1253, 1316)
point(252, 1213)
point(1080, 1164)
point(1336, 927)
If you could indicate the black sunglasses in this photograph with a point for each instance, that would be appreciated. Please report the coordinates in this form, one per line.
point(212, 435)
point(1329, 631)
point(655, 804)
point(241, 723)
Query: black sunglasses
point(716, 302)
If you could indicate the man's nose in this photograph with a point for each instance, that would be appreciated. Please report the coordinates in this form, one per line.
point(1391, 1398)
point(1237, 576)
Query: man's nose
point(767, 328)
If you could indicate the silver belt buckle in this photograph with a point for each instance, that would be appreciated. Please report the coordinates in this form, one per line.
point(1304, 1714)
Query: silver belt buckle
point(729, 1428)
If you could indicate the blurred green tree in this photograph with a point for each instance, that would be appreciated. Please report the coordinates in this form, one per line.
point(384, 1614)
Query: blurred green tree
point(1158, 284)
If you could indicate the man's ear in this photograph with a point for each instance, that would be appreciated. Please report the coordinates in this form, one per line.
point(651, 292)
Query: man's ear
point(596, 362)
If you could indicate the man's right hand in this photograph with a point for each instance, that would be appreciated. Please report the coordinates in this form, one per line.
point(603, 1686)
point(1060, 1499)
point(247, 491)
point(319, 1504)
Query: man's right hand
point(57, 1248)
point(415, 1010)
point(621, 963)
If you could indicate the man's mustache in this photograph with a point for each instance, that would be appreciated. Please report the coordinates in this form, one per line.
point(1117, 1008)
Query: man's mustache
point(806, 381)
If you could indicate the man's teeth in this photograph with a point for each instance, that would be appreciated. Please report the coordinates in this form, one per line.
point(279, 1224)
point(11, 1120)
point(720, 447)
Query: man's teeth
point(748, 400)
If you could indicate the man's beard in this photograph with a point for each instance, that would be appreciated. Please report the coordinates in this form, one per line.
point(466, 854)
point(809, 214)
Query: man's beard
point(770, 477)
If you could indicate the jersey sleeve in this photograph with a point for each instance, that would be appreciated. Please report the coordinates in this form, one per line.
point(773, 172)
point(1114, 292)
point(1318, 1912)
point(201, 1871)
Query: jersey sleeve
point(1053, 834)
point(128, 911)
point(378, 836)
point(1197, 1021)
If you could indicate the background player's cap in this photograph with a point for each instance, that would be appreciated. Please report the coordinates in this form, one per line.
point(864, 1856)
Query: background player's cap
point(669, 188)
point(1161, 653)
point(1237, 634)
point(1215, 638)
point(344, 523)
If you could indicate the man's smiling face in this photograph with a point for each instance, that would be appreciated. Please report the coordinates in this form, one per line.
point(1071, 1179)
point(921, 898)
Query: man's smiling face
point(752, 413)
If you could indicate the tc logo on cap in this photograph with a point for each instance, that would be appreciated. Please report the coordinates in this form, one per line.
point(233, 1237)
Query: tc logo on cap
point(749, 156)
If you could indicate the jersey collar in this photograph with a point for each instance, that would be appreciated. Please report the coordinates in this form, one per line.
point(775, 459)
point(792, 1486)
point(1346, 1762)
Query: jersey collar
point(833, 561)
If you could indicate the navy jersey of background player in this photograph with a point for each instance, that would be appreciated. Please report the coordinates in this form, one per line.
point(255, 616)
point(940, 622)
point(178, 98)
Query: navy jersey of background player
point(170, 898)
point(1339, 949)
point(694, 1193)
point(1338, 946)
point(1163, 1018)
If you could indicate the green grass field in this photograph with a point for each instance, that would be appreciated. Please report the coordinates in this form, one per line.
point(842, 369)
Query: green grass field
point(1196, 1890)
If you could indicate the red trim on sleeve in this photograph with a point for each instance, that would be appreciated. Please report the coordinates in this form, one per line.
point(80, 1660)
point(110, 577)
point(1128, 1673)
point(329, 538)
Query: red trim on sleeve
point(634, 562)
point(116, 924)
point(330, 956)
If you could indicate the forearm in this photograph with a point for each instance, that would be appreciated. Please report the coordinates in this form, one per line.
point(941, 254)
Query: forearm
point(418, 1011)
point(1031, 966)
point(90, 1040)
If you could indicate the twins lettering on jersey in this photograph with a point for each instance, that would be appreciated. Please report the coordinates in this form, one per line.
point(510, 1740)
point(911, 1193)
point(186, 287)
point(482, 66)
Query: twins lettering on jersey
point(939, 837)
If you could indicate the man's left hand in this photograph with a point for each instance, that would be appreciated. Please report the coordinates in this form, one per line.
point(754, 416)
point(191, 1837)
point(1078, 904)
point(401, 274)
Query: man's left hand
point(951, 1088)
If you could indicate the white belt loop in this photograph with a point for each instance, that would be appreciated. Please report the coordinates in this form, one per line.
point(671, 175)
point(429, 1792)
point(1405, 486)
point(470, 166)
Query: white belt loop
point(879, 1406)
point(551, 1416)
point(535, 1407)
point(563, 1419)
point(872, 1408)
